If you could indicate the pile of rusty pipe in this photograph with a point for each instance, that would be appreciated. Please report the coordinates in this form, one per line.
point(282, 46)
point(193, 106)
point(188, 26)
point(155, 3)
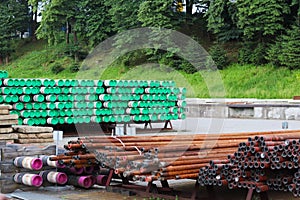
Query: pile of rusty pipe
point(189, 136)
point(79, 160)
point(165, 157)
point(143, 157)
point(264, 162)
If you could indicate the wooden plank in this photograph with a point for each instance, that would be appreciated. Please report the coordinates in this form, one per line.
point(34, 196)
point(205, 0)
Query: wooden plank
point(9, 136)
point(6, 130)
point(9, 141)
point(28, 141)
point(10, 175)
point(33, 129)
point(25, 148)
point(7, 168)
point(2, 144)
point(11, 156)
point(35, 136)
point(8, 186)
point(296, 98)
point(4, 112)
point(8, 154)
point(8, 117)
point(45, 135)
point(5, 107)
point(8, 122)
point(26, 136)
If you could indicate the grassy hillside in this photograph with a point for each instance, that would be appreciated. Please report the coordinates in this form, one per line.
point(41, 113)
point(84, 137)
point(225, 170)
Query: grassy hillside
point(36, 61)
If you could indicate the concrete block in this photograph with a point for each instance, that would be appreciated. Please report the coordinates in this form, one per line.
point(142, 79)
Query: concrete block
point(33, 129)
point(258, 113)
point(8, 117)
point(292, 113)
point(276, 113)
point(241, 112)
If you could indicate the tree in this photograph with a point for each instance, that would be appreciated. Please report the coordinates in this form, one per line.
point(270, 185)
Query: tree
point(14, 18)
point(157, 14)
point(189, 15)
point(290, 48)
point(123, 14)
point(94, 22)
point(59, 16)
point(222, 20)
point(260, 19)
point(35, 5)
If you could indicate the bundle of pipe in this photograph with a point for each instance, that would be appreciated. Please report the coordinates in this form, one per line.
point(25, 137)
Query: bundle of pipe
point(264, 162)
point(76, 162)
point(66, 101)
point(28, 179)
point(149, 158)
point(28, 163)
point(81, 167)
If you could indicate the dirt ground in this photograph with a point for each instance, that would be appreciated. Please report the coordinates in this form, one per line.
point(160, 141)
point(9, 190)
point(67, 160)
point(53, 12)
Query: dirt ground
point(100, 193)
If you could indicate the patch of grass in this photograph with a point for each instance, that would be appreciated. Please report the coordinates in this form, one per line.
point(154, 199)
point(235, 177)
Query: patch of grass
point(260, 82)
point(37, 63)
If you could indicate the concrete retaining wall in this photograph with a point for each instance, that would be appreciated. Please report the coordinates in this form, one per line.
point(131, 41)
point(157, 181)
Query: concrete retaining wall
point(283, 109)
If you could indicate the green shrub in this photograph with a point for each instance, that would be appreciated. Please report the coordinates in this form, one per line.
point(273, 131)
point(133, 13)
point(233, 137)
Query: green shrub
point(273, 52)
point(74, 67)
point(133, 58)
point(245, 53)
point(286, 50)
point(258, 56)
point(252, 53)
point(177, 63)
point(218, 55)
point(290, 53)
point(188, 67)
point(56, 68)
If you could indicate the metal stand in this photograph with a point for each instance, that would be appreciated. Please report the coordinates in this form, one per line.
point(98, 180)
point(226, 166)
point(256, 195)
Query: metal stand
point(151, 190)
point(263, 195)
point(211, 192)
point(111, 172)
point(167, 122)
point(146, 125)
point(195, 192)
point(165, 184)
point(166, 125)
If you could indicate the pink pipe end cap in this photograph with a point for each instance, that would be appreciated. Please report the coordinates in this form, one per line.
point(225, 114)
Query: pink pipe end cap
point(36, 164)
point(61, 178)
point(36, 181)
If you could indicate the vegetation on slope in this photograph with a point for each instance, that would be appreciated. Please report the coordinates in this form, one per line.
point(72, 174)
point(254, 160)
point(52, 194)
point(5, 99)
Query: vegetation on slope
point(36, 60)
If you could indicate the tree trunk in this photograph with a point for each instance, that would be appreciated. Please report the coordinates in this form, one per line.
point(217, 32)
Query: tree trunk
point(1, 60)
point(68, 32)
point(189, 12)
point(6, 59)
point(75, 43)
point(75, 37)
point(189, 7)
point(34, 24)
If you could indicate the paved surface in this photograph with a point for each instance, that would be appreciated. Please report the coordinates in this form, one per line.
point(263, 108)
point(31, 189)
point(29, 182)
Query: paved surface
point(219, 125)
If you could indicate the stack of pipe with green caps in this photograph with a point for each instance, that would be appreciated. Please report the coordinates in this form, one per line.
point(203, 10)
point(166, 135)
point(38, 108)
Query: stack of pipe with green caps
point(52, 102)
point(144, 100)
